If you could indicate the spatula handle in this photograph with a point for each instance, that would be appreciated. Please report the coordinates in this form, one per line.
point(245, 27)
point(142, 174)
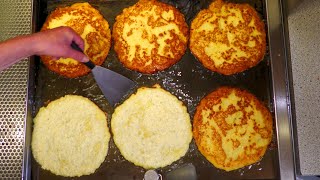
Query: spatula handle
point(89, 64)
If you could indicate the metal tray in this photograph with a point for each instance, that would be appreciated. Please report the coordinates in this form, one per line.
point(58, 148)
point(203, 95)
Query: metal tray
point(187, 79)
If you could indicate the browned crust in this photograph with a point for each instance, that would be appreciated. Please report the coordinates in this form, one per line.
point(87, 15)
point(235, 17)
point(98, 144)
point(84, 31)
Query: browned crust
point(217, 155)
point(159, 62)
point(238, 64)
point(94, 40)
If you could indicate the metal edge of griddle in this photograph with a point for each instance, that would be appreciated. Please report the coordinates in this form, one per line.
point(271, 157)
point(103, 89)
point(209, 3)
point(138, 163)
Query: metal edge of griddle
point(26, 166)
point(281, 95)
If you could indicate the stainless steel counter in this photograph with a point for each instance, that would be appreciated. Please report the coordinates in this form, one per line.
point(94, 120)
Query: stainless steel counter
point(15, 19)
point(304, 26)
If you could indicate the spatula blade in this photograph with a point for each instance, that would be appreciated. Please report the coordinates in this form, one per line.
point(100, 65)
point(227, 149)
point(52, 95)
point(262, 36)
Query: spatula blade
point(185, 172)
point(113, 85)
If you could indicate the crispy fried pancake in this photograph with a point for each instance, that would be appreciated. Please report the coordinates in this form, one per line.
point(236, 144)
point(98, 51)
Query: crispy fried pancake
point(91, 26)
point(232, 128)
point(152, 128)
point(70, 136)
point(228, 38)
point(150, 36)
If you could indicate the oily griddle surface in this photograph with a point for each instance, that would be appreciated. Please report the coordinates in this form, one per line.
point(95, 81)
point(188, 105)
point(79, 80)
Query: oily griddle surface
point(187, 79)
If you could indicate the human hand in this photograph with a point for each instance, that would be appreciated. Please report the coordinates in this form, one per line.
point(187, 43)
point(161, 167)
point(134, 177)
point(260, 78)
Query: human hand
point(57, 43)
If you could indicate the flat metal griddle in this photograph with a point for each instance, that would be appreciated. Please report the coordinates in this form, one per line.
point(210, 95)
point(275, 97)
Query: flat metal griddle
point(188, 80)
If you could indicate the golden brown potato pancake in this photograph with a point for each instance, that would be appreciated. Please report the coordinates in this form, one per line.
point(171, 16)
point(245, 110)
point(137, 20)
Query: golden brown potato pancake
point(150, 36)
point(232, 128)
point(228, 38)
point(91, 26)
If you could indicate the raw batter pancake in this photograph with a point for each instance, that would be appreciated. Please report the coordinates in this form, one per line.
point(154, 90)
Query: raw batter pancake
point(70, 136)
point(152, 128)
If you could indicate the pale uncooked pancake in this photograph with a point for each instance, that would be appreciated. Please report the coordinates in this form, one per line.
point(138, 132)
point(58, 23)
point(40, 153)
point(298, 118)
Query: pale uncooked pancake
point(70, 136)
point(152, 128)
point(228, 38)
point(150, 36)
point(232, 128)
point(91, 26)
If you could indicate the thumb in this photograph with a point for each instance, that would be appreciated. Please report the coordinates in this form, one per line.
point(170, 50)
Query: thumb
point(79, 56)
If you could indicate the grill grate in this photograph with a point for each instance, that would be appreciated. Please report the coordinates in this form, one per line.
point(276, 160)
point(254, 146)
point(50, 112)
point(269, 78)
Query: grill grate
point(15, 19)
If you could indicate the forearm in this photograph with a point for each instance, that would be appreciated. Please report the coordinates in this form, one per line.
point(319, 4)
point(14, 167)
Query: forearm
point(54, 42)
point(13, 50)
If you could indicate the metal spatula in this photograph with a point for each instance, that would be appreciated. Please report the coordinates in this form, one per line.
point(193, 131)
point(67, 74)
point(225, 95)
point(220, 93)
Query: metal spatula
point(113, 85)
point(185, 172)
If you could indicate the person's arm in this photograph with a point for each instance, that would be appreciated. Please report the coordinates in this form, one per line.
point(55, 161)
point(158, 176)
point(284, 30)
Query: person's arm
point(54, 42)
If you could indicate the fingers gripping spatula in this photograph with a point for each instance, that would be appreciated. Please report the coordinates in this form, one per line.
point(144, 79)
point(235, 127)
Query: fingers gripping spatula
point(113, 85)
